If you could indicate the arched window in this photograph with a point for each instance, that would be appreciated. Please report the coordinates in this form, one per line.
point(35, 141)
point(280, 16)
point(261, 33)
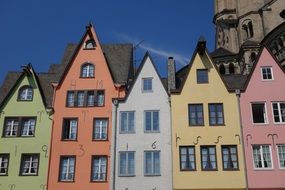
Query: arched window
point(231, 68)
point(26, 93)
point(87, 70)
point(250, 29)
point(90, 44)
point(222, 69)
point(247, 29)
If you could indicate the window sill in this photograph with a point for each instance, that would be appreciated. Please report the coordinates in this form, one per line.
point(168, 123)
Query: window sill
point(147, 91)
point(185, 170)
point(149, 132)
point(98, 181)
point(100, 140)
point(152, 175)
point(263, 169)
point(133, 132)
point(66, 181)
point(3, 175)
point(23, 175)
point(127, 175)
point(69, 140)
point(86, 77)
point(89, 48)
point(197, 125)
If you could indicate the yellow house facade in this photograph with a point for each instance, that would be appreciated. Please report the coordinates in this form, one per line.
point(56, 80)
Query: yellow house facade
point(207, 141)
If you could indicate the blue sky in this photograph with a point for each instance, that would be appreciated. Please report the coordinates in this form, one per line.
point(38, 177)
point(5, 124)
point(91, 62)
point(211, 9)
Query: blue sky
point(38, 31)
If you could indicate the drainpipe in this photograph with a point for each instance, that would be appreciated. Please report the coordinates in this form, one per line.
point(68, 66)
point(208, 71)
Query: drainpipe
point(237, 92)
point(115, 144)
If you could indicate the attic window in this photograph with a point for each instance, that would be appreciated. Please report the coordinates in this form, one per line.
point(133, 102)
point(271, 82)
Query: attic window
point(202, 76)
point(90, 44)
point(266, 73)
point(87, 70)
point(25, 93)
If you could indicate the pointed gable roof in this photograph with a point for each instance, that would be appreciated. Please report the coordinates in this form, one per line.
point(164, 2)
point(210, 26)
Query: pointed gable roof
point(43, 81)
point(147, 55)
point(182, 74)
point(118, 57)
point(264, 48)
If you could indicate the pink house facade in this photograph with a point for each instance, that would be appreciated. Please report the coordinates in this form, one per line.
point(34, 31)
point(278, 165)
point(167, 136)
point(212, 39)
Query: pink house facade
point(262, 105)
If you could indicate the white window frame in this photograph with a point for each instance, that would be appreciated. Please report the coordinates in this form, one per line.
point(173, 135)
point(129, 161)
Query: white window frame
point(152, 163)
point(279, 112)
point(127, 163)
point(101, 126)
point(143, 81)
point(29, 127)
point(12, 127)
point(266, 67)
point(127, 127)
point(32, 158)
point(99, 166)
point(68, 171)
point(265, 114)
point(89, 74)
point(262, 161)
point(152, 130)
point(25, 90)
point(69, 126)
point(280, 167)
point(4, 158)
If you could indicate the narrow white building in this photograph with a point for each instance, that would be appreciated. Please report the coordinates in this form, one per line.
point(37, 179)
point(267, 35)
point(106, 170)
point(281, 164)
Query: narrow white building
point(143, 134)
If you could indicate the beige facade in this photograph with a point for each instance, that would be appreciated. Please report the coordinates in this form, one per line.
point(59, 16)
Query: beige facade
point(223, 134)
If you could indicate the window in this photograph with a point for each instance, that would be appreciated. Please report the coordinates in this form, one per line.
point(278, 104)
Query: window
point(262, 156)
point(69, 129)
point(152, 163)
point(29, 164)
point(90, 44)
point(70, 99)
point(127, 163)
point(28, 127)
point(266, 73)
point(100, 98)
point(281, 155)
point(100, 128)
point(278, 112)
point(208, 156)
point(87, 70)
point(11, 127)
point(19, 127)
point(99, 168)
point(187, 158)
point(259, 113)
point(195, 112)
point(230, 157)
point(127, 122)
point(202, 76)
point(87, 98)
point(67, 168)
point(147, 84)
point(151, 121)
point(216, 114)
point(4, 162)
point(25, 93)
point(80, 98)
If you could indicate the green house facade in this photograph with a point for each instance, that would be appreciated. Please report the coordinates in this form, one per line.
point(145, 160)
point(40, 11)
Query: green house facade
point(25, 121)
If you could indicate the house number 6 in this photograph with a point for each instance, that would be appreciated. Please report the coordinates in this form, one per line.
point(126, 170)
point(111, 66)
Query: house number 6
point(153, 146)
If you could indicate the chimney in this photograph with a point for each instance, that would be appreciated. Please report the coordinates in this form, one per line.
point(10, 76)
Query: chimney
point(171, 69)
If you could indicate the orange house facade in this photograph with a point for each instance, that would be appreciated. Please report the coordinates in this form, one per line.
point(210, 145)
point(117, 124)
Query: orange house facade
point(80, 144)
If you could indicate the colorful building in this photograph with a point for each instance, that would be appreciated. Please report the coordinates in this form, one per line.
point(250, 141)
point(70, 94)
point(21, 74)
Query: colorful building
point(263, 120)
point(206, 135)
point(143, 133)
point(26, 121)
point(93, 76)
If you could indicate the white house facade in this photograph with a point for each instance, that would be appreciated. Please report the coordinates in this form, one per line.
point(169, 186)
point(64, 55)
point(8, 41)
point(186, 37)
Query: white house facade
point(143, 134)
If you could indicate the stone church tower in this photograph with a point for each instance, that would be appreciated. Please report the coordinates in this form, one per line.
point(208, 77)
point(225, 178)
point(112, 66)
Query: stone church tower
point(241, 25)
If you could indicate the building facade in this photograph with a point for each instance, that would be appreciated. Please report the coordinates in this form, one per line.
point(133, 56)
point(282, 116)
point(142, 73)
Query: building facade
point(241, 26)
point(80, 151)
point(26, 121)
point(206, 135)
point(143, 135)
point(262, 108)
